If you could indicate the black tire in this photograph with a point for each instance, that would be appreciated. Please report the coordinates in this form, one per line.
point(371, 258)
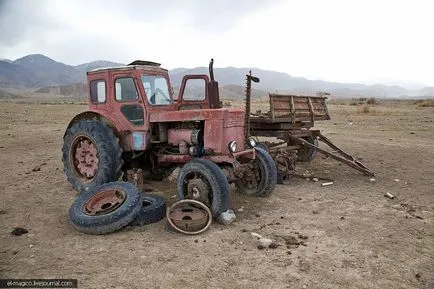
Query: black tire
point(280, 176)
point(217, 181)
point(307, 154)
point(110, 221)
point(108, 149)
point(153, 210)
point(261, 146)
point(268, 175)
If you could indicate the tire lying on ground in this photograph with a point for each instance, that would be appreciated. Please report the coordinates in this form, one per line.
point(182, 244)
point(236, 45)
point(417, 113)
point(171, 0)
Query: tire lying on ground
point(153, 210)
point(106, 208)
point(264, 174)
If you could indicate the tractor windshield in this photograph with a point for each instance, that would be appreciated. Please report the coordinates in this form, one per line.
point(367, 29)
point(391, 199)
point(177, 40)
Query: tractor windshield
point(156, 89)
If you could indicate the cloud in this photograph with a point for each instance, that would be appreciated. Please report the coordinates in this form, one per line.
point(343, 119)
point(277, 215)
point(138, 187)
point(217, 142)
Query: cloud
point(24, 19)
point(335, 40)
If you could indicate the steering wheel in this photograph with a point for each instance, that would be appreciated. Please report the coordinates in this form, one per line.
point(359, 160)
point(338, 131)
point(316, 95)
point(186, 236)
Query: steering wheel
point(157, 90)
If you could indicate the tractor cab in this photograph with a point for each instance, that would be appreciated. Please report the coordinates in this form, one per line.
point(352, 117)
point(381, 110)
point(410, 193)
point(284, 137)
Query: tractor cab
point(129, 93)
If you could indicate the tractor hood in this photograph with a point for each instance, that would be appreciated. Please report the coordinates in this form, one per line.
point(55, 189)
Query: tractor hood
point(231, 117)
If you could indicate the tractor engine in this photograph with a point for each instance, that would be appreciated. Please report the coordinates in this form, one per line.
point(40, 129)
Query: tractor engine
point(189, 141)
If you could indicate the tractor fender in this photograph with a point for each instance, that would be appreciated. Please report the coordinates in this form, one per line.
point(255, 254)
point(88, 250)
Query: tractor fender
point(93, 115)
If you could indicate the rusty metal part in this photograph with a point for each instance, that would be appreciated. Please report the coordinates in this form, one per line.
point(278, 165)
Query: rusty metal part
point(189, 217)
point(190, 136)
point(85, 159)
point(183, 147)
point(284, 157)
point(253, 175)
point(104, 202)
point(198, 189)
point(337, 154)
point(136, 177)
point(249, 79)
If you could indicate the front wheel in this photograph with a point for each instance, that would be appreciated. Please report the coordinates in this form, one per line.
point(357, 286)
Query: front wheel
point(203, 180)
point(260, 178)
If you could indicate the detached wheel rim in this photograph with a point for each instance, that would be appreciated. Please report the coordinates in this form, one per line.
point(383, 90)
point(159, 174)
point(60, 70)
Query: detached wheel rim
point(196, 187)
point(84, 159)
point(104, 202)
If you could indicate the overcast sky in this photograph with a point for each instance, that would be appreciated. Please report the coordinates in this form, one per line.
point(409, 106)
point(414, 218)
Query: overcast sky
point(336, 40)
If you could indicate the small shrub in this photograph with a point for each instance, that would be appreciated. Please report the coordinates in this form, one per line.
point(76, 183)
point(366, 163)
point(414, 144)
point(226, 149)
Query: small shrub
point(364, 109)
point(372, 100)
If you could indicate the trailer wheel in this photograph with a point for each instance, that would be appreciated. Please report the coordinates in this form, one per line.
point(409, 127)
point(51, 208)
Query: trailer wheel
point(307, 154)
point(261, 178)
point(106, 208)
point(91, 155)
point(203, 180)
point(153, 210)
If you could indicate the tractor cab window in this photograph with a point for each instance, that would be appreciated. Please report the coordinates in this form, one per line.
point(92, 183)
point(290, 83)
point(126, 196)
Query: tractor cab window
point(125, 89)
point(97, 91)
point(195, 90)
point(156, 89)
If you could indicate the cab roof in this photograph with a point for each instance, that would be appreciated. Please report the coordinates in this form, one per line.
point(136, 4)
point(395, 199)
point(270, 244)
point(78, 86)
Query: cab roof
point(136, 65)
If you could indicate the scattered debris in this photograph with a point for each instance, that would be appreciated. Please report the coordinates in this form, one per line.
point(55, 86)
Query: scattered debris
point(227, 217)
point(17, 231)
point(31, 245)
point(174, 175)
point(396, 180)
point(315, 179)
point(36, 169)
point(372, 180)
point(327, 184)
point(264, 243)
point(389, 195)
point(241, 209)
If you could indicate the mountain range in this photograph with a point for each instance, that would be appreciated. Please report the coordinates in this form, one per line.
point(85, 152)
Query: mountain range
point(45, 75)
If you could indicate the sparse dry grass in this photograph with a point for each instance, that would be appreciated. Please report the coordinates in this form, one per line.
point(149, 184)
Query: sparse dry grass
point(425, 103)
point(365, 109)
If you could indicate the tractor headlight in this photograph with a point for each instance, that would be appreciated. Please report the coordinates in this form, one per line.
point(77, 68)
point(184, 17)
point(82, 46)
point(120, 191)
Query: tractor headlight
point(251, 141)
point(232, 146)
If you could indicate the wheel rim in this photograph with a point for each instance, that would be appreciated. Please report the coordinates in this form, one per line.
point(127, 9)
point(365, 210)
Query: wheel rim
point(196, 187)
point(84, 159)
point(104, 202)
point(253, 178)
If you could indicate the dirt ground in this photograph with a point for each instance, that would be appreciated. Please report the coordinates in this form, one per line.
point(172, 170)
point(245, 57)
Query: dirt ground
point(356, 237)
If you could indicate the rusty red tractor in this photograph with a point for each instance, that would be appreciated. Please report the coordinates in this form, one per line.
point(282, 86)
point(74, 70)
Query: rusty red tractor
point(134, 121)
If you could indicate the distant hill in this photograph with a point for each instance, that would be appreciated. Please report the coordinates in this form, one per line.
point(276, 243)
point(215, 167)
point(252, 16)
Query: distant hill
point(42, 73)
point(75, 90)
point(36, 71)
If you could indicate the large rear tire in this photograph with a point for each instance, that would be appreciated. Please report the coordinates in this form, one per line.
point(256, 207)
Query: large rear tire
point(261, 178)
point(203, 180)
point(91, 155)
